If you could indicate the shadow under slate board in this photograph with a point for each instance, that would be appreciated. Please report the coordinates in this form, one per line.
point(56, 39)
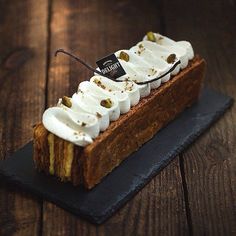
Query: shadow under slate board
point(125, 181)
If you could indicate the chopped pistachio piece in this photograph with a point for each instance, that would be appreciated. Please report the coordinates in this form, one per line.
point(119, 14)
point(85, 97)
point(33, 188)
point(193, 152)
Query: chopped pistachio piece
point(171, 58)
point(106, 103)
point(66, 101)
point(99, 83)
point(140, 46)
point(124, 56)
point(83, 124)
point(151, 36)
point(98, 115)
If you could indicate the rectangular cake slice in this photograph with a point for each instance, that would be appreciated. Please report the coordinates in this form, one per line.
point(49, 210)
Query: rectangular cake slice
point(90, 164)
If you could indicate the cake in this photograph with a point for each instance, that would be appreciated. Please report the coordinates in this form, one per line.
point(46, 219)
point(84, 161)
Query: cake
point(84, 137)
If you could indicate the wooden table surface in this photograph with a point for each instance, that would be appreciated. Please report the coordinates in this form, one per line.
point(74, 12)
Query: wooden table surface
point(196, 193)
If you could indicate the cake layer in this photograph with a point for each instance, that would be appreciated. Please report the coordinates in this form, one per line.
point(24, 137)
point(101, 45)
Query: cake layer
point(88, 165)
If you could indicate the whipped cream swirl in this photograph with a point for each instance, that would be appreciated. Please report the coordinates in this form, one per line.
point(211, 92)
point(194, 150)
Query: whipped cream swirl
point(99, 101)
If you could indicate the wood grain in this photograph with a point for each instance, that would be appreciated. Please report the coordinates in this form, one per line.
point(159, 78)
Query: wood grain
point(92, 31)
point(22, 84)
point(209, 165)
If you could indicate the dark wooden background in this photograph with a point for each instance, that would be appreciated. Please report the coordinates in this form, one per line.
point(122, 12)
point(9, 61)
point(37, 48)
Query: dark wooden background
point(196, 193)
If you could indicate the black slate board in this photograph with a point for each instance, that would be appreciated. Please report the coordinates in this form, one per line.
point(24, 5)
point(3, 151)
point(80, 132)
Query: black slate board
point(125, 181)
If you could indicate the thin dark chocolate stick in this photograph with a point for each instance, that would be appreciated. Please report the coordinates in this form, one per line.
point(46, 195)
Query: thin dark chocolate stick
point(82, 62)
point(159, 77)
point(100, 73)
